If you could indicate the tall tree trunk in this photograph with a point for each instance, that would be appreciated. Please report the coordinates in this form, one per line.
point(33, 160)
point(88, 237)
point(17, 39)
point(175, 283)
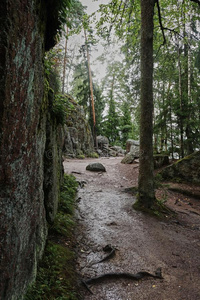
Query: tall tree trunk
point(171, 128)
point(91, 91)
point(65, 62)
point(188, 130)
point(146, 195)
point(181, 103)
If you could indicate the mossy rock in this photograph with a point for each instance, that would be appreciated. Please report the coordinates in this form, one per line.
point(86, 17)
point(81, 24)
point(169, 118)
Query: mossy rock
point(96, 167)
point(184, 170)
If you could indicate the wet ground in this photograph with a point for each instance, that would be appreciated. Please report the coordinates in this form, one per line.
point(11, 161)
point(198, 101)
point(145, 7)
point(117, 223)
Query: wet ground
point(105, 216)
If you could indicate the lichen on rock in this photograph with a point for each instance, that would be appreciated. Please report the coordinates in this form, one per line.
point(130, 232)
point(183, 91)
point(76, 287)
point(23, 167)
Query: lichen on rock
point(24, 133)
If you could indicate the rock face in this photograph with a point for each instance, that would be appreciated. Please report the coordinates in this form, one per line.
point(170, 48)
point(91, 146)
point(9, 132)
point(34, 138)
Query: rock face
point(186, 169)
point(128, 158)
point(30, 159)
point(104, 149)
point(102, 141)
point(132, 152)
point(78, 136)
point(96, 167)
point(130, 143)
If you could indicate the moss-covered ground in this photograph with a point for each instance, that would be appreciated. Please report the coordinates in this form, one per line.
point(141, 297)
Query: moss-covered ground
point(56, 277)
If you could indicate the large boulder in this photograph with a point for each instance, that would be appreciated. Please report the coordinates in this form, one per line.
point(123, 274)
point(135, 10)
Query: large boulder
point(130, 143)
point(132, 151)
point(102, 141)
point(128, 158)
point(96, 167)
point(118, 149)
point(186, 169)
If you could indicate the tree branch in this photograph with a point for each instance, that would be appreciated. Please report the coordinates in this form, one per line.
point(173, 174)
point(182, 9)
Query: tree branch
point(160, 22)
point(196, 1)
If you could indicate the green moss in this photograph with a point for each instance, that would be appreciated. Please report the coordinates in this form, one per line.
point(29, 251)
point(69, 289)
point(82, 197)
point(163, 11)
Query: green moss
point(188, 157)
point(93, 155)
point(56, 278)
point(81, 156)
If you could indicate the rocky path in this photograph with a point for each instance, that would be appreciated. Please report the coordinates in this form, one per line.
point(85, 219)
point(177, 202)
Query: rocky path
point(105, 216)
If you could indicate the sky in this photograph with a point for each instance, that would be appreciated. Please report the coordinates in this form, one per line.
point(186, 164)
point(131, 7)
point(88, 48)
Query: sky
point(98, 68)
point(93, 5)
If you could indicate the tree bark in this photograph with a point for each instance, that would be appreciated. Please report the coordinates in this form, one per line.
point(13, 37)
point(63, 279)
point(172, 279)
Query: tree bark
point(181, 104)
point(146, 195)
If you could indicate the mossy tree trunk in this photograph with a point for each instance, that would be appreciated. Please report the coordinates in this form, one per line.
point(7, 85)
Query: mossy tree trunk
point(146, 195)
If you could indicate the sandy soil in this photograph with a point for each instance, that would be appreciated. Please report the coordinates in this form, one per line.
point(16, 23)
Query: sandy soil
point(105, 216)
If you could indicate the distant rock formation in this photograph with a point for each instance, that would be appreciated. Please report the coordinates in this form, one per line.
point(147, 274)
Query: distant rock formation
point(132, 151)
point(78, 135)
point(104, 149)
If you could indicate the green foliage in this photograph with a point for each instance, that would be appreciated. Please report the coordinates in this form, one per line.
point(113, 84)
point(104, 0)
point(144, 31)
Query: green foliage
point(112, 123)
point(68, 193)
point(81, 92)
point(94, 155)
point(61, 107)
point(55, 276)
point(81, 156)
point(126, 124)
point(57, 15)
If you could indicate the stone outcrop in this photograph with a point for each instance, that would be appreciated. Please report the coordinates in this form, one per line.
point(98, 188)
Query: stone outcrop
point(184, 170)
point(132, 152)
point(128, 158)
point(131, 144)
point(78, 136)
point(105, 150)
point(30, 141)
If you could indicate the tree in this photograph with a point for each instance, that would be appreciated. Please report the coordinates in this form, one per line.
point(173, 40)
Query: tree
point(73, 21)
point(146, 195)
point(91, 90)
point(125, 124)
point(81, 93)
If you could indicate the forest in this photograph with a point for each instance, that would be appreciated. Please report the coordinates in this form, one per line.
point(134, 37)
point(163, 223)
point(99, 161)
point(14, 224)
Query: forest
point(74, 223)
point(117, 93)
point(149, 89)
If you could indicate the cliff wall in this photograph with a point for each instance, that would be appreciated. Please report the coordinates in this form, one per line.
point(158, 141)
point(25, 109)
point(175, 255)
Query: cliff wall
point(30, 143)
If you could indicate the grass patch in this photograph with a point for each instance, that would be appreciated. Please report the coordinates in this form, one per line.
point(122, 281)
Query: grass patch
point(93, 155)
point(56, 277)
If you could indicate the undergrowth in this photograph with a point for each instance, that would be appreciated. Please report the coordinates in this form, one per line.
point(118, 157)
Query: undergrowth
point(56, 278)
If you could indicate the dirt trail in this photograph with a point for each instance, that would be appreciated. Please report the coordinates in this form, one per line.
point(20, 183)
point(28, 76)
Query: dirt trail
point(105, 216)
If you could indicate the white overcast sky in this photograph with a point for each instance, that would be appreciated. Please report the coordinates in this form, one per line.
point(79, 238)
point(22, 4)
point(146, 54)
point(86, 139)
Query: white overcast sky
point(92, 5)
point(76, 41)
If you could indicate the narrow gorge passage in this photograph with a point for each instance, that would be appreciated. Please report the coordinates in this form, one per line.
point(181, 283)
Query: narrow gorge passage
point(105, 217)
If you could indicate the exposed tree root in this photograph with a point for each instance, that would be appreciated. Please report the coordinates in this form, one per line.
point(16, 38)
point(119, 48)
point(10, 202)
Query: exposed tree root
point(137, 276)
point(158, 209)
point(111, 254)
